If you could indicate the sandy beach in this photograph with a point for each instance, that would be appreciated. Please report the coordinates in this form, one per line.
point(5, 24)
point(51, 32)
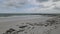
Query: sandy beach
point(35, 24)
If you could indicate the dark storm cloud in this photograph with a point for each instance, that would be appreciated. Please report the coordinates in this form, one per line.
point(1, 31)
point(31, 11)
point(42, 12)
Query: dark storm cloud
point(41, 0)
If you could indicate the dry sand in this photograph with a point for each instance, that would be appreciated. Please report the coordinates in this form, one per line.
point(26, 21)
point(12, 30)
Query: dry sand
point(35, 25)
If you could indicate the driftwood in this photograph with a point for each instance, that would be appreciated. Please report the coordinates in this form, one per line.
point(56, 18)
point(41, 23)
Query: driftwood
point(23, 26)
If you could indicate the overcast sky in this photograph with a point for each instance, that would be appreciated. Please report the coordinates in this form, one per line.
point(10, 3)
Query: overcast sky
point(29, 6)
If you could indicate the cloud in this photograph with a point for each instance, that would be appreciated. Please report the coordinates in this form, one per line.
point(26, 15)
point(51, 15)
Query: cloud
point(41, 0)
point(57, 8)
point(47, 6)
point(55, 0)
point(32, 6)
point(57, 5)
point(14, 3)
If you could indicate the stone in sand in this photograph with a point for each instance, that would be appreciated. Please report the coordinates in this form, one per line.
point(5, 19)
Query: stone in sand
point(9, 31)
